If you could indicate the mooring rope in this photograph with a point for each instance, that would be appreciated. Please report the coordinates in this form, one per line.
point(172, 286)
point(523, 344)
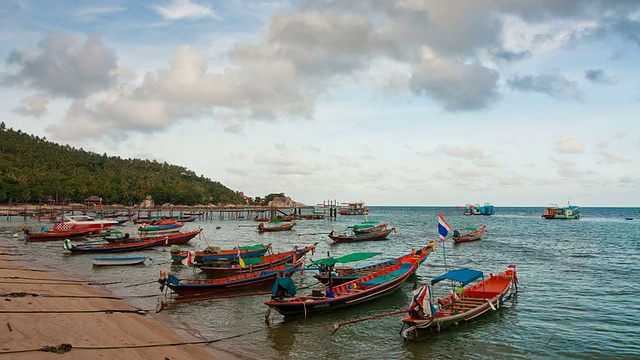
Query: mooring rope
point(24, 294)
point(107, 311)
point(66, 347)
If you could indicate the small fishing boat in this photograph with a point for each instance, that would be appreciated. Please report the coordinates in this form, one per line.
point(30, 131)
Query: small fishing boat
point(367, 227)
point(465, 303)
point(124, 246)
point(370, 236)
point(337, 276)
point(240, 265)
point(166, 226)
point(562, 213)
point(84, 222)
point(118, 261)
point(351, 293)
point(214, 253)
point(53, 235)
point(279, 227)
point(468, 234)
point(194, 287)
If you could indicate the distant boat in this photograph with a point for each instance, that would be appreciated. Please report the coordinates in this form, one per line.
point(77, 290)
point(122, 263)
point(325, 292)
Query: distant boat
point(468, 234)
point(354, 208)
point(628, 218)
point(118, 261)
point(562, 213)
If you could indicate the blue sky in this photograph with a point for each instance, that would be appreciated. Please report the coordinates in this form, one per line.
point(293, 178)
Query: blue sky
point(393, 103)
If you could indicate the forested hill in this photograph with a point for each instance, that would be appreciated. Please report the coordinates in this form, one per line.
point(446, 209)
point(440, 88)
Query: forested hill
point(33, 169)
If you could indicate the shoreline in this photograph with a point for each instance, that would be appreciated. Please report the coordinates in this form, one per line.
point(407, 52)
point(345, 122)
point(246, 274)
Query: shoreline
point(44, 308)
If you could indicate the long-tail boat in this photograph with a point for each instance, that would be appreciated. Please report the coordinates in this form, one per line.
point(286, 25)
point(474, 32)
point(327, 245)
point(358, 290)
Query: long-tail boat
point(118, 261)
point(278, 227)
point(350, 293)
point(240, 265)
point(53, 235)
point(370, 236)
point(173, 239)
point(367, 227)
point(468, 234)
point(193, 287)
point(467, 302)
point(214, 253)
point(166, 226)
point(344, 274)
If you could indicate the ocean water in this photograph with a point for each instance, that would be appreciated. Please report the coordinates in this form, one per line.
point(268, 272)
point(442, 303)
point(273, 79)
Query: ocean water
point(577, 296)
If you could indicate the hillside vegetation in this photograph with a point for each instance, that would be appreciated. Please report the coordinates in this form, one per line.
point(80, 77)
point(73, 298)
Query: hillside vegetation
point(33, 169)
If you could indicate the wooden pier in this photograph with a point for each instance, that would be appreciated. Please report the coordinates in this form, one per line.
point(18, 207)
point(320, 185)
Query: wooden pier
point(41, 212)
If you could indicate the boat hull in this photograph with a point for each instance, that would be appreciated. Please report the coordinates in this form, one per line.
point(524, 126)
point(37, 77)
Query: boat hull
point(370, 236)
point(345, 296)
point(111, 261)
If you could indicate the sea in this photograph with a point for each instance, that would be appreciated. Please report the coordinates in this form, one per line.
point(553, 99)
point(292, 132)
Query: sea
point(577, 296)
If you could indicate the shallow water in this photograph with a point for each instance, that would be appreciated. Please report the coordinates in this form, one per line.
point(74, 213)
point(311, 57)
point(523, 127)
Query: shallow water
point(576, 300)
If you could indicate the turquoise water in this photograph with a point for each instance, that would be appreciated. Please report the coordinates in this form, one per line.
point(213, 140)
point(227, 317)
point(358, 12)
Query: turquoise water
point(577, 297)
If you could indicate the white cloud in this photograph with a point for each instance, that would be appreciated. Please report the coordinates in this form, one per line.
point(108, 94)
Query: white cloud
point(185, 9)
point(569, 144)
point(35, 106)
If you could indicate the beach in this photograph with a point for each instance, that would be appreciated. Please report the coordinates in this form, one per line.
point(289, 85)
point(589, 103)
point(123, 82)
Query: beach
point(40, 309)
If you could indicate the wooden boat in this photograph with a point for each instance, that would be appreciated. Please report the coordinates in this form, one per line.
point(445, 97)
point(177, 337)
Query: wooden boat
point(351, 293)
point(278, 227)
point(187, 219)
point(214, 253)
point(259, 219)
point(53, 235)
point(468, 234)
point(367, 227)
point(562, 213)
point(84, 222)
point(354, 208)
point(465, 304)
point(344, 274)
point(110, 248)
point(252, 264)
point(370, 236)
point(170, 239)
point(194, 287)
point(118, 261)
point(165, 226)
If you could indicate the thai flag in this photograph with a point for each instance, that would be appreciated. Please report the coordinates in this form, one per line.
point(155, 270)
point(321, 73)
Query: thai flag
point(443, 227)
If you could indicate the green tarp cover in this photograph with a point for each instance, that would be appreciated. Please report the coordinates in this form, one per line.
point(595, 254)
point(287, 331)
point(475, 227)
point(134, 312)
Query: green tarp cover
point(250, 260)
point(347, 258)
point(364, 224)
point(251, 247)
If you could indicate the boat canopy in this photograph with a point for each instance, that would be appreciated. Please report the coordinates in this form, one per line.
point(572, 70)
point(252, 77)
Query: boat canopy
point(347, 258)
point(463, 276)
point(252, 247)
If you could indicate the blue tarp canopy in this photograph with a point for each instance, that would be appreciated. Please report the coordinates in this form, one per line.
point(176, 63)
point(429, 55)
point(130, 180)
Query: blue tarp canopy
point(464, 276)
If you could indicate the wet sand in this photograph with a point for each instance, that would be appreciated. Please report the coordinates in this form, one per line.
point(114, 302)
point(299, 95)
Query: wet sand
point(39, 309)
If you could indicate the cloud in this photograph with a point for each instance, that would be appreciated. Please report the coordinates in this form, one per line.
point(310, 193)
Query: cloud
point(34, 105)
point(185, 9)
point(609, 157)
point(554, 85)
point(598, 76)
point(73, 66)
point(454, 85)
point(569, 144)
point(92, 12)
point(467, 152)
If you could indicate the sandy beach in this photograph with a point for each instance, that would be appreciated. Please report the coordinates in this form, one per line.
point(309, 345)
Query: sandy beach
point(41, 309)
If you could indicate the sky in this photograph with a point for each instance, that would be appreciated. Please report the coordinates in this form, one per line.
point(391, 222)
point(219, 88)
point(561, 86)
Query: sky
point(428, 103)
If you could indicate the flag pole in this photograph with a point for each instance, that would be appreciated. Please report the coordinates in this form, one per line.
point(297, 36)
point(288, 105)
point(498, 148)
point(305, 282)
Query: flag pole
point(444, 256)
